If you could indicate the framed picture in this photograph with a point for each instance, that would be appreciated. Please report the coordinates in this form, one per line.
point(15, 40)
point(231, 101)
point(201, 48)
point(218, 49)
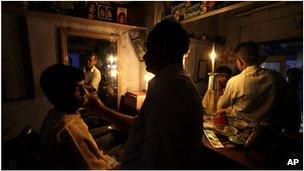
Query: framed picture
point(17, 73)
point(201, 70)
point(139, 48)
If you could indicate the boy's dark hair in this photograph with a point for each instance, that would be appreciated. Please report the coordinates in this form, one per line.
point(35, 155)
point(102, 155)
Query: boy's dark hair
point(171, 37)
point(58, 82)
point(224, 69)
point(249, 52)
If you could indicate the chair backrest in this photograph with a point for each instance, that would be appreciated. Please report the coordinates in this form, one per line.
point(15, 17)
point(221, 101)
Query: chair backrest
point(28, 150)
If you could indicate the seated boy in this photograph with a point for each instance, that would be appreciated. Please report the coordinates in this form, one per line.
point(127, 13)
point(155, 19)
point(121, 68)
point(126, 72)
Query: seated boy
point(65, 139)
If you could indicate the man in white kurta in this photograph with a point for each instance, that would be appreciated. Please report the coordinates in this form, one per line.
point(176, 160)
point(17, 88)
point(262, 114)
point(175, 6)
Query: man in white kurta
point(92, 74)
point(251, 94)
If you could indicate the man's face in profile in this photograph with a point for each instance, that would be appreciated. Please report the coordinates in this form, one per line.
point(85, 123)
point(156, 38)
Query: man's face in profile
point(80, 94)
point(91, 61)
point(151, 56)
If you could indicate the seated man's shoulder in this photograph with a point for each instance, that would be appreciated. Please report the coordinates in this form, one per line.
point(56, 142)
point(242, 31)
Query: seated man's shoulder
point(235, 79)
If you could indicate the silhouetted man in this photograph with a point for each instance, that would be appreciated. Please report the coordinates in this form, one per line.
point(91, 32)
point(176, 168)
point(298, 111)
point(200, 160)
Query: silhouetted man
point(167, 132)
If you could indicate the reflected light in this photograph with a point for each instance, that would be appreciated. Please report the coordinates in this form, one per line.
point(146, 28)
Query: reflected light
point(147, 77)
point(111, 58)
point(113, 73)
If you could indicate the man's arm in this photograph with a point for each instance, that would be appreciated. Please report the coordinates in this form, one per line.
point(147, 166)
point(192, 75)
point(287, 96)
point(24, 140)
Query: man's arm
point(229, 96)
point(121, 120)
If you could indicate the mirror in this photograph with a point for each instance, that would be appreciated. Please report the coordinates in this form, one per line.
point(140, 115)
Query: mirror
point(76, 46)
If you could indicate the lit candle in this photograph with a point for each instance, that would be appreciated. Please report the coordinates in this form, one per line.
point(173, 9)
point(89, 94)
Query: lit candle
point(212, 57)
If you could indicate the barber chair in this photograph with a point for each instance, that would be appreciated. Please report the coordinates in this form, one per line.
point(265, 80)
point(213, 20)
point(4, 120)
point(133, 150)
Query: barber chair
point(23, 152)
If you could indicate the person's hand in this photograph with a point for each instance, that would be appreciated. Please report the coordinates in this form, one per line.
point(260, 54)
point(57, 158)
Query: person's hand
point(220, 119)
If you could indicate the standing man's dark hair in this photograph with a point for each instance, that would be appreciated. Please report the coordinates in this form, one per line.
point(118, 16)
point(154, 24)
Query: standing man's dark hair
point(169, 42)
point(249, 52)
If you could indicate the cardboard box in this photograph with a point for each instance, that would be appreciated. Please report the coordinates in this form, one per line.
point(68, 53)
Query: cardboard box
point(135, 99)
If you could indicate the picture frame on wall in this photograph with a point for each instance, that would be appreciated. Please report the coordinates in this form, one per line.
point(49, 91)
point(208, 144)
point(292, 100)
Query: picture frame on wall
point(17, 78)
point(139, 48)
point(201, 70)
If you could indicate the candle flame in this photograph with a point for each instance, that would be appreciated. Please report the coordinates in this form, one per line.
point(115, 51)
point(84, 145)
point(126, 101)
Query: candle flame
point(212, 54)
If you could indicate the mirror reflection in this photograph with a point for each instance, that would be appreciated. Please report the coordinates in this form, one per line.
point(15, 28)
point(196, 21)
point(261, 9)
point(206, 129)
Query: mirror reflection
point(97, 58)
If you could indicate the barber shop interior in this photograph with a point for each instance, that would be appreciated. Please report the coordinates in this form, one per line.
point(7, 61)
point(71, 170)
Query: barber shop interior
point(144, 85)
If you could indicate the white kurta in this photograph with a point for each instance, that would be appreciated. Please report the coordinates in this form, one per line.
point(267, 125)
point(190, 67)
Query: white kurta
point(251, 93)
point(93, 77)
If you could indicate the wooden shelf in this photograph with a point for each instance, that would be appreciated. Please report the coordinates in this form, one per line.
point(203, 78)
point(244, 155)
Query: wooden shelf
point(219, 11)
point(58, 17)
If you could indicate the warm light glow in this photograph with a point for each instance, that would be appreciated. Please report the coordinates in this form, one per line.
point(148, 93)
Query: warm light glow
point(212, 57)
point(112, 59)
point(212, 54)
point(112, 65)
point(113, 73)
point(184, 58)
point(147, 77)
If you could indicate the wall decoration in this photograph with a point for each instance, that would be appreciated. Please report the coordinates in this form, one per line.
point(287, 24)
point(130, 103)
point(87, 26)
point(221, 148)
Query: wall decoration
point(184, 10)
point(201, 70)
point(121, 15)
point(17, 73)
point(105, 12)
point(139, 48)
